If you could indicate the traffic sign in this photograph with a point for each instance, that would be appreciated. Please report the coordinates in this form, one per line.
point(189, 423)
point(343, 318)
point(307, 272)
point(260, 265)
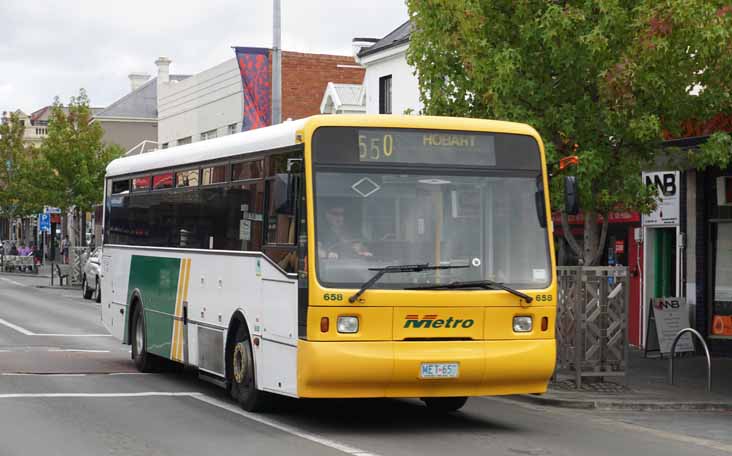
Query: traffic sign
point(44, 223)
point(51, 210)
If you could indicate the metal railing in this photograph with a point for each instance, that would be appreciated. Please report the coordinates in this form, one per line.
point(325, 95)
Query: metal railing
point(706, 351)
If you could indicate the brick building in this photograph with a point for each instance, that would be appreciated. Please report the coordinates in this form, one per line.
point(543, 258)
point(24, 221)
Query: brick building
point(210, 104)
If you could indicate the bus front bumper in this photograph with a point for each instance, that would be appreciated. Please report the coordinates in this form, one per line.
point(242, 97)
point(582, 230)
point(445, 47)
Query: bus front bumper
point(392, 369)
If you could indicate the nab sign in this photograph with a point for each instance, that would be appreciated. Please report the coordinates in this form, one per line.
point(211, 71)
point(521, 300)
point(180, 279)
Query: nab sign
point(668, 184)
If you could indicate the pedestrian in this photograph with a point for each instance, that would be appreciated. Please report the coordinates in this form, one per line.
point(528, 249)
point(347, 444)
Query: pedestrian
point(13, 249)
point(65, 249)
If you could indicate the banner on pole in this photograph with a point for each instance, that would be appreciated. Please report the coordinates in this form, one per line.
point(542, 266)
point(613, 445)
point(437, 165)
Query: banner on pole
point(256, 81)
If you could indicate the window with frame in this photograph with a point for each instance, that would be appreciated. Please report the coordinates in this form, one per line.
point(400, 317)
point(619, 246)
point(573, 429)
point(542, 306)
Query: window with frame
point(233, 129)
point(162, 181)
point(247, 170)
point(186, 140)
point(385, 95)
point(213, 175)
point(120, 186)
point(141, 184)
point(281, 214)
point(211, 134)
point(186, 178)
point(165, 145)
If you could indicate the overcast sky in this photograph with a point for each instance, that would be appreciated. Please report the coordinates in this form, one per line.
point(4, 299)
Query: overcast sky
point(54, 47)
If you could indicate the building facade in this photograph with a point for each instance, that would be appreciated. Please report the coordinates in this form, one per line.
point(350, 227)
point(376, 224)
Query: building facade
point(391, 84)
point(210, 104)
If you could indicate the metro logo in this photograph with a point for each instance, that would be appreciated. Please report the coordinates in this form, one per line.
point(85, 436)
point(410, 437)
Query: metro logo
point(431, 321)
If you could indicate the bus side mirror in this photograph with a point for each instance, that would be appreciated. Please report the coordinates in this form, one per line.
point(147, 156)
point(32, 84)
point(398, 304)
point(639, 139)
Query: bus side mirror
point(571, 195)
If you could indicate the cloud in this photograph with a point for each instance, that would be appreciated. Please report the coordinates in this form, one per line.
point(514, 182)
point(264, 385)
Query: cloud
point(54, 48)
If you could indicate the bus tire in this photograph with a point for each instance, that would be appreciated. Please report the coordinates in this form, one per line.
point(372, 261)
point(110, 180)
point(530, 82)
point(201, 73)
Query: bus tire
point(243, 381)
point(143, 360)
point(445, 404)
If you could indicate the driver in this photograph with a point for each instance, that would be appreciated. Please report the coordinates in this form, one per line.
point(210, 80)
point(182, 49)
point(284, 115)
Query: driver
point(334, 241)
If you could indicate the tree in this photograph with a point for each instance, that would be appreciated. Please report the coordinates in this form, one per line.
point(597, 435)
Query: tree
point(604, 80)
point(17, 196)
point(73, 158)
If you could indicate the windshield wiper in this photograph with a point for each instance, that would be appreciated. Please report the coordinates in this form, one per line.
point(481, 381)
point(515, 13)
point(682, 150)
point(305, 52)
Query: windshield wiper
point(487, 284)
point(394, 269)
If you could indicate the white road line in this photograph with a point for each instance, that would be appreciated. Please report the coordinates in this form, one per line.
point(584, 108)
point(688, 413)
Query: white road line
point(211, 401)
point(62, 395)
point(15, 327)
point(77, 350)
point(284, 427)
point(12, 281)
point(24, 374)
point(26, 332)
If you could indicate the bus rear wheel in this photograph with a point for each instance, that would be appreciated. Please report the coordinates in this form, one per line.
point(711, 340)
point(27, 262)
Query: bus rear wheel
point(144, 361)
point(243, 385)
point(445, 404)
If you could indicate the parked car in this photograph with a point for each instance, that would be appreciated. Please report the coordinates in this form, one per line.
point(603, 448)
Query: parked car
point(91, 285)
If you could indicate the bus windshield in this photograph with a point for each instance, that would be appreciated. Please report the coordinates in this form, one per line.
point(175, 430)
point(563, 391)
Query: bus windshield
point(369, 219)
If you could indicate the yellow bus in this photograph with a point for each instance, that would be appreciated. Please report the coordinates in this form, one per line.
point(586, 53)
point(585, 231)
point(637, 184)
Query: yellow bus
point(339, 257)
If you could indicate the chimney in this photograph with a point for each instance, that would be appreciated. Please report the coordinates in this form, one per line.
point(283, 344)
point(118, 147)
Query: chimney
point(137, 80)
point(163, 64)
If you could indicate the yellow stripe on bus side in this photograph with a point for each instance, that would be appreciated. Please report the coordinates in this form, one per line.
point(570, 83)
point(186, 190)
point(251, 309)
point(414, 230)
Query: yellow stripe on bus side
point(178, 299)
point(185, 298)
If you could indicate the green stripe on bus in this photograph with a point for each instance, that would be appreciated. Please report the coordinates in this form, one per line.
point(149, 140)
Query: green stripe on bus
point(156, 279)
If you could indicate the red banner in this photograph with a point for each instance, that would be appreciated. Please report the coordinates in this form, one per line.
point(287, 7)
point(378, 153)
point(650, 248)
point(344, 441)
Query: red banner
point(256, 84)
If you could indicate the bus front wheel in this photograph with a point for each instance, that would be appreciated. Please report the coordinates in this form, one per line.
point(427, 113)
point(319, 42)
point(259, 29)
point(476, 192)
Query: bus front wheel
point(243, 385)
point(445, 404)
point(142, 359)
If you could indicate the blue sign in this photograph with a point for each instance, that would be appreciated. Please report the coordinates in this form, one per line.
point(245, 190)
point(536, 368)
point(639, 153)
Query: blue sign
point(44, 223)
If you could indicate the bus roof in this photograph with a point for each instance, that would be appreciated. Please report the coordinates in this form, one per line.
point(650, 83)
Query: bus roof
point(273, 137)
point(283, 135)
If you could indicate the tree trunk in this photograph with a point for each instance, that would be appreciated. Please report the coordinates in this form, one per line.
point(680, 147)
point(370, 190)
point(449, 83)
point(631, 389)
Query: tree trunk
point(594, 239)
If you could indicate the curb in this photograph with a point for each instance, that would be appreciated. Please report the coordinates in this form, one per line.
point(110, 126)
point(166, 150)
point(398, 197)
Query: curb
point(23, 274)
point(636, 406)
point(58, 287)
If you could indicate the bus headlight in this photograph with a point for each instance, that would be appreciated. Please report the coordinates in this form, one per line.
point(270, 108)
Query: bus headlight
point(522, 324)
point(347, 325)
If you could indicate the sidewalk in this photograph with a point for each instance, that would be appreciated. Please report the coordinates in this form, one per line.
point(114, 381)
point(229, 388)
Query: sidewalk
point(648, 388)
point(42, 278)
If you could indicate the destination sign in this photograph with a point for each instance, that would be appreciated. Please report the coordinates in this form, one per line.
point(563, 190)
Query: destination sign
point(423, 147)
point(408, 146)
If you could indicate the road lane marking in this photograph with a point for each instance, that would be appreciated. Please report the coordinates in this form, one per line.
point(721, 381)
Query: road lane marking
point(27, 332)
point(24, 374)
point(15, 327)
point(12, 281)
point(727, 448)
point(283, 427)
point(77, 350)
point(63, 395)
point(342, 447)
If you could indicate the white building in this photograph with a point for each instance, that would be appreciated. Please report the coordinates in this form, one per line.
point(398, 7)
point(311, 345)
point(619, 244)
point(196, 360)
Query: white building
point(203, 106)
point(390, 84)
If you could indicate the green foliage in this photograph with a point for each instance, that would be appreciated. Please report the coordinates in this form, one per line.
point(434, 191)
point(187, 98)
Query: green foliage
point(70, 168)
point(599, 79)
point(716, 152)
point(17, 197)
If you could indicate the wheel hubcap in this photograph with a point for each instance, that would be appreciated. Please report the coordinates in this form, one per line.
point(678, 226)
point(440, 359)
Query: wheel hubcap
point(240, 364)
point(138, 337)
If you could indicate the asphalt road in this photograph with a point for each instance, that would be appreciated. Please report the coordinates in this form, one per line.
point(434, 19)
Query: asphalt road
point(68, 389)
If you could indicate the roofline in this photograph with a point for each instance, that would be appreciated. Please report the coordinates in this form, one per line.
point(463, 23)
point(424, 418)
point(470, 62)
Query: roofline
point(283, 135)
point(685, 143)
point(383, 54)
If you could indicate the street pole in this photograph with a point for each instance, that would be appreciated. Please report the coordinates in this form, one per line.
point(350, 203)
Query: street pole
point(276, 64)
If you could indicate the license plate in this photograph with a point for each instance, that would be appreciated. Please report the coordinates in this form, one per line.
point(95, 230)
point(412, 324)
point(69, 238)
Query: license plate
point(439, 370)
